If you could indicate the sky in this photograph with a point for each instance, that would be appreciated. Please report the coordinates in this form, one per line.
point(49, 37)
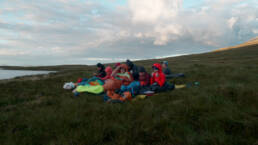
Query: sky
point(47, 32)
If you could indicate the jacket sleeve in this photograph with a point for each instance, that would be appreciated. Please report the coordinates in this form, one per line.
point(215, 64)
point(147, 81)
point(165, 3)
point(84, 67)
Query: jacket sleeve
point(105, 78)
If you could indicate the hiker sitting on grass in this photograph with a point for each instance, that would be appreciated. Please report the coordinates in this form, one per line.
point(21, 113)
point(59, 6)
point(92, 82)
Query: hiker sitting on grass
point(133, 69)
point(158, 78)
point(101, 71)
point(165, 68)
point(122, 73)
point(168, 73)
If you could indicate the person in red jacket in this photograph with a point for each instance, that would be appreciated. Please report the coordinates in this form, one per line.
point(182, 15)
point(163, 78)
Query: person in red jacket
point(157, 77)
point(108, 71)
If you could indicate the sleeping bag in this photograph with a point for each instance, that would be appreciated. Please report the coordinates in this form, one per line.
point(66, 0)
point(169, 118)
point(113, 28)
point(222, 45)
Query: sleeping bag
point(93, 85)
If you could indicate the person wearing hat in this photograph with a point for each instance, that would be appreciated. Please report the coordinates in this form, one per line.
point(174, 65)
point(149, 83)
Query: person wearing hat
point(165, 68)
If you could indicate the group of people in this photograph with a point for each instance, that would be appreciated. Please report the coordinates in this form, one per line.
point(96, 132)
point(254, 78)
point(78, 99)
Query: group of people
point(127, 80)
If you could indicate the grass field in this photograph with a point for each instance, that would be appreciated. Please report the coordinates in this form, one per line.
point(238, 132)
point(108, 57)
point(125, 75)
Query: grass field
point(223, 110)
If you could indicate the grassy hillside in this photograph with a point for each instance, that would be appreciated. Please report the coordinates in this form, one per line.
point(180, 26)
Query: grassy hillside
point(222, 110)
point(251, 42)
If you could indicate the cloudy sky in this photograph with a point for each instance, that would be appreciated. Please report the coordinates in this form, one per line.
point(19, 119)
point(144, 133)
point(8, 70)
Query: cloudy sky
point(50, 32)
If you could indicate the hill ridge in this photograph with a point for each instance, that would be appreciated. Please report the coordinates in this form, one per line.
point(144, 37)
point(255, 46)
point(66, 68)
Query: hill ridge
point(253, 41)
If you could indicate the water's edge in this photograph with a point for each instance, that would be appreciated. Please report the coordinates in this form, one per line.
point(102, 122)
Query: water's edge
point(12, 74)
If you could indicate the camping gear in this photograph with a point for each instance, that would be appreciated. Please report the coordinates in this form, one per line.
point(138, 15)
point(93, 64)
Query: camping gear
point(139, 97)
point(157, 88)
point(114, 97)
point(180, 86)
point(93, 85)
point(178, 75)
point(112, 84)
point(69, 86)
point(94, 89)
point(133, 87)
point(149, 93)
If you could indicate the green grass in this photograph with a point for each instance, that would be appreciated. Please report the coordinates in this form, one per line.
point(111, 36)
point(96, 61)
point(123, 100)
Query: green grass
point(223, 110)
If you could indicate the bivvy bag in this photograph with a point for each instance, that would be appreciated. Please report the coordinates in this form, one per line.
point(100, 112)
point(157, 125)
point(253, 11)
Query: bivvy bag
point(98, 89)
point(93, 85)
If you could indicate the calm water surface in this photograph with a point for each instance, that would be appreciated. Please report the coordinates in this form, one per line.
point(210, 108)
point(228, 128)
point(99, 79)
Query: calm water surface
point(8, 74)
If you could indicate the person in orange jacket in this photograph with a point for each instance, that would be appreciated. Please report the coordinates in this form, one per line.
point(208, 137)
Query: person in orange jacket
point(122, 73)
point(120, 76)
point(157, 77)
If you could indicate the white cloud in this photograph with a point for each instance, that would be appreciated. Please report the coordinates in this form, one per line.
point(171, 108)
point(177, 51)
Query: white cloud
point(255, 31)
point(232, 21)
point(167, 33)
point(157, 15)
point(151, 11)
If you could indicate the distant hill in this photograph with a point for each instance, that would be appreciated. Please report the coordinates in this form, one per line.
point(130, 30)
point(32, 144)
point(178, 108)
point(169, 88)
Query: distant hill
point(251, 42)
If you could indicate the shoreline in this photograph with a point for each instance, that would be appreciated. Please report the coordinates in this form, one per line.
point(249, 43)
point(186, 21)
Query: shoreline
point(37, 76)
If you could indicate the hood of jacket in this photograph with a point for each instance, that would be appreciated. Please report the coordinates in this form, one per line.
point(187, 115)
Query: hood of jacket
point(157, 65)
point(108, 70)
